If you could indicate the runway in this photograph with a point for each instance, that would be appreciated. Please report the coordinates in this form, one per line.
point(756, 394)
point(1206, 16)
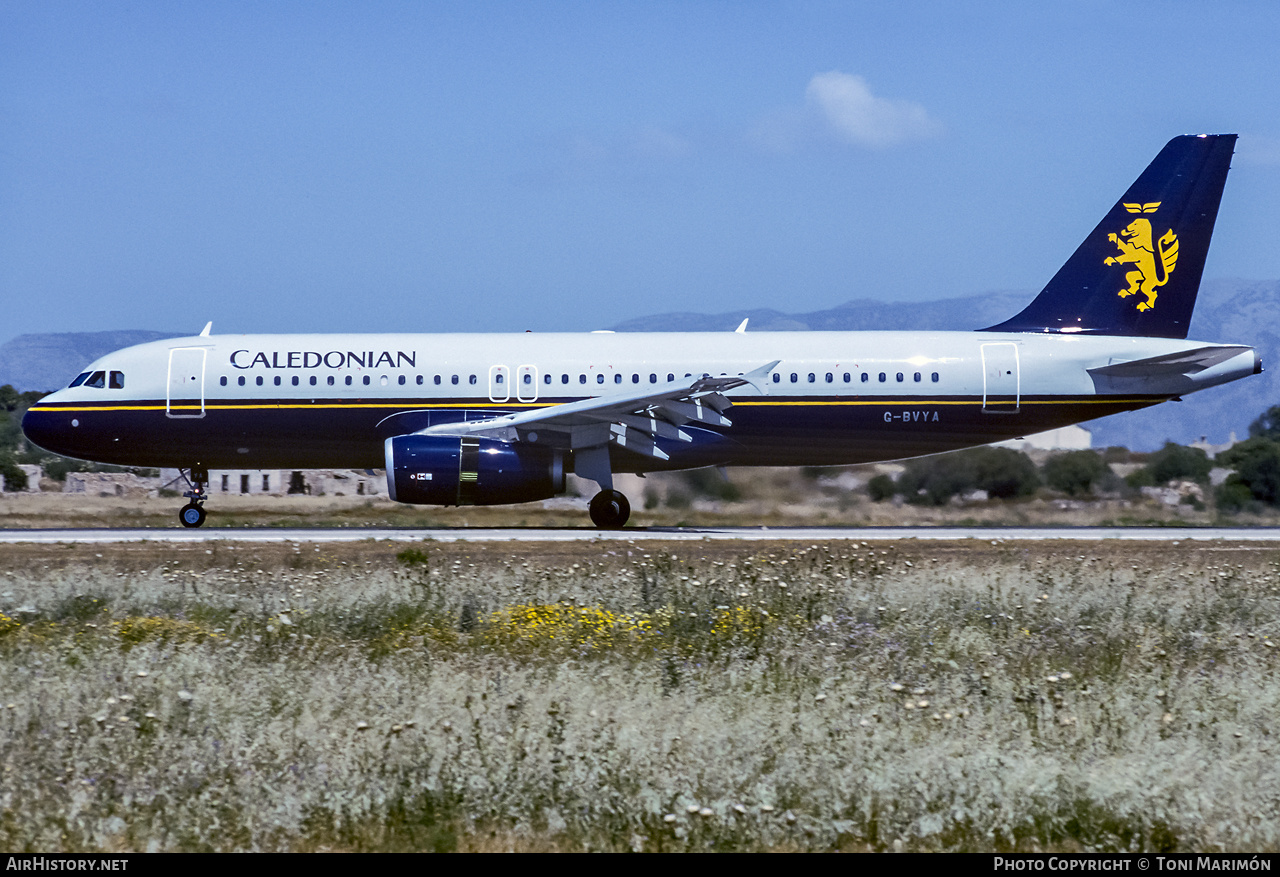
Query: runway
point(653, 534)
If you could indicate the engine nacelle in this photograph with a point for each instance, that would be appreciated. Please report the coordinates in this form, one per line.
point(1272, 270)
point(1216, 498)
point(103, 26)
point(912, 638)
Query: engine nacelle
point(453, 470)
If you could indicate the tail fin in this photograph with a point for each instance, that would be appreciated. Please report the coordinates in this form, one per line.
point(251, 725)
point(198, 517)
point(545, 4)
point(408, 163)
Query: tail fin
point(1138, 272)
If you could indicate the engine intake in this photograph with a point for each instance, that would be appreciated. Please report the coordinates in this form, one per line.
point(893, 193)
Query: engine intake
point(453, 470)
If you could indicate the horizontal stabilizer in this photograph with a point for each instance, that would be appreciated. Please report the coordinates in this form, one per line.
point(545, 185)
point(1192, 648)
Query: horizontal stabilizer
point(1186, 362)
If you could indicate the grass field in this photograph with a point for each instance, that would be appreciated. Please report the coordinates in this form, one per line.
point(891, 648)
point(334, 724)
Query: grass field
point(607, 696)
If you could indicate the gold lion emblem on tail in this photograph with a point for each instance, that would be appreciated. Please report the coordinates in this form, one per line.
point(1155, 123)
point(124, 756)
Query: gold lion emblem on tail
point(1153, 262)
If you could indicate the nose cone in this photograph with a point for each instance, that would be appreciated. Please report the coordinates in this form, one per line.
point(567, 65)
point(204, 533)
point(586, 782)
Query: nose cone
point(51, 429)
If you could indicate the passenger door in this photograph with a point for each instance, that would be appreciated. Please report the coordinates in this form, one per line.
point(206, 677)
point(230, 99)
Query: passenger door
point(1001, 387)
point(185, 397)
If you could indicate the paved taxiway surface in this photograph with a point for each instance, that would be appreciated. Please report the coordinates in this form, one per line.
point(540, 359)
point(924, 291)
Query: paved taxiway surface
point(684, 534)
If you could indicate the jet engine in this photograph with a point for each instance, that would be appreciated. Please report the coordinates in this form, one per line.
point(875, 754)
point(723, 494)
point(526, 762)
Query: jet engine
point(461, 470)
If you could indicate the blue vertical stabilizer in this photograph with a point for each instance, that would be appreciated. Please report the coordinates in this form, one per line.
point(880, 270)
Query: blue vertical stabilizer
point(1138, 272)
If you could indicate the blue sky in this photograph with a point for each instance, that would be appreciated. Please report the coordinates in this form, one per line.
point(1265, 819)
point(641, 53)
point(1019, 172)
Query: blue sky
point(506, 166)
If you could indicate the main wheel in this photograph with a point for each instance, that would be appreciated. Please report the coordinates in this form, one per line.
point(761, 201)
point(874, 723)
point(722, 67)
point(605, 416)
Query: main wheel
point(609, 509)
point(191, 515)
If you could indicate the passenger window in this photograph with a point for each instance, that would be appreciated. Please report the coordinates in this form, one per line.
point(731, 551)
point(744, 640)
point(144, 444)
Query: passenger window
point(97, 380)
point(794, 377)
point(330, 380)
point(222, 381)
point(812, 377)
point(454, 379)
point(670, 377)
point(599, 379)
point(117, 380)
point(277, 380)
point(436, 379)
point(295, 380)
point(401, 380)
point(546, 379)
point(830, 378)
point(497, 379)
point(777, 378)
point(419, 380)
point(916, 377)
point(617, 379)
point(883, 377)
point(935, 377)
point(846, 377)
point(635, 379)
point(84, 376)
point(258, 380)
point(240, 380)
point(582, 379)
point(472, 380)
point(313, 380)
point(653, 379)
point(865, 377)
point(366, 380)
point(899, 377)
point(383, 380)
point(528, 379)
point(564, 379)
point(347, 380)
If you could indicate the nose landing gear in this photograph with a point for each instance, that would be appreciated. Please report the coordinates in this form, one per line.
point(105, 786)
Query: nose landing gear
point(609, 510)
point(193, 514)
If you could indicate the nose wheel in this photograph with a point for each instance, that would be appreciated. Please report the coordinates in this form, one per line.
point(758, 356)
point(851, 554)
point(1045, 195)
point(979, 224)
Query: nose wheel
point(192, 514)
point(609, 510)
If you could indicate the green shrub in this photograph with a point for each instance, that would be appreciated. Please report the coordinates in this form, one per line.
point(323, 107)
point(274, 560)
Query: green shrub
point(1001, 472)
point(14, 478)
point(881, 488)
point(1179, 463)
point(1257, 465)
point(1075, 472)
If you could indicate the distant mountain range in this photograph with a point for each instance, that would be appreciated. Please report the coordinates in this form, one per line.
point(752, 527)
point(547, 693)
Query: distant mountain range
point(48, 362)
point(1228, 311)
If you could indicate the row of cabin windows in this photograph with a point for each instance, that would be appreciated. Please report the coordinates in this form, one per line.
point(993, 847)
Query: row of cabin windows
point(526, 379)
point(99, 380)
point(848, 378)
point(88, 380)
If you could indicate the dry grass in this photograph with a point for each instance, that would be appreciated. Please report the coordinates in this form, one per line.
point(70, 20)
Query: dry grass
point(774, 696)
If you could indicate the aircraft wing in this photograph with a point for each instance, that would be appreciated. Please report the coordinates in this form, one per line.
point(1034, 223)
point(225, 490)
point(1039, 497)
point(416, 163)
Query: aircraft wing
point(1186, 362)
point(629, 420)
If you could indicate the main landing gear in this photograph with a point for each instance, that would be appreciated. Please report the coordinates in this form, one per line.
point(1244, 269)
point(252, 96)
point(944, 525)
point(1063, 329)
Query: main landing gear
point(192, 514)
point(609, 510)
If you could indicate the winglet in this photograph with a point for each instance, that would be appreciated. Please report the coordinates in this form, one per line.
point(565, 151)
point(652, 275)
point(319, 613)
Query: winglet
point(742, 327)
point(756, 377)
point(204, 333)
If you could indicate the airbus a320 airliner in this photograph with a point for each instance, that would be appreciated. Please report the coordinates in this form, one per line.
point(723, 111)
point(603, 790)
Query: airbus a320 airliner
point(488, 419)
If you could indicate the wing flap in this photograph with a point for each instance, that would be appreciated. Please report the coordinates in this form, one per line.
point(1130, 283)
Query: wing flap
point(634, 420)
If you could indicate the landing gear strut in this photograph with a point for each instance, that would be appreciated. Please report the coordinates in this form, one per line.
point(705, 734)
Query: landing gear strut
point(609, 510)
point(192, 514)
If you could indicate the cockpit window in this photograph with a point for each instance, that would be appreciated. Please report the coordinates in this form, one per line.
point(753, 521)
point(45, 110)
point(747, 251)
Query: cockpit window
point(116, 380)
point(98, 380)
point(80, 379)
